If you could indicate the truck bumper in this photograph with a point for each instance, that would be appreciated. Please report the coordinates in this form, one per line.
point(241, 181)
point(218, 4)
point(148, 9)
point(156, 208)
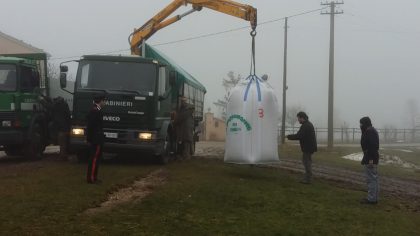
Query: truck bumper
point(152, 147)
point(11, 137)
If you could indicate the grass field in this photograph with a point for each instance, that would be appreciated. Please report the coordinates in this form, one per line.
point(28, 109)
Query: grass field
point(200, 197)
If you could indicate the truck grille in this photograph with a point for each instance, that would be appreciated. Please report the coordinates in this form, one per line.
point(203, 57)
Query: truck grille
point(7, 115)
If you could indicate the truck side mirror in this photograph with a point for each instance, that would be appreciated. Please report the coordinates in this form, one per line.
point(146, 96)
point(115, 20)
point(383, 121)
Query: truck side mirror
point(63, 80)
point(172, 78)
point(64, 68)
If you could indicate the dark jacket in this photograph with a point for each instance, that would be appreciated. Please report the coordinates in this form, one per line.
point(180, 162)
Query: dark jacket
point(94, 129)
point(61, 115)
point(370, 145)
point(184, 123)
point(306, 136)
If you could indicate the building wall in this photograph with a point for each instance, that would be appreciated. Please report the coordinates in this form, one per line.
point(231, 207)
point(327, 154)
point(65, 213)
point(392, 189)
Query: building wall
point(11, 45)
point(213, 129)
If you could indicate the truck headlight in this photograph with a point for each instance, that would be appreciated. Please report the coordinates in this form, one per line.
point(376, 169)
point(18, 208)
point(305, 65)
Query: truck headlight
point(78, 132)
point(145, 136)
point(6, 123)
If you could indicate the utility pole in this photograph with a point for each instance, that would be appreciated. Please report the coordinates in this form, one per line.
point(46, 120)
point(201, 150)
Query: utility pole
point(283, 119)
point(332, 13)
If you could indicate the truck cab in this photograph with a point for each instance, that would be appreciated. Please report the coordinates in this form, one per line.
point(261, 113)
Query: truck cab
point(141, 96)
point(23, 116)
point(138, 104)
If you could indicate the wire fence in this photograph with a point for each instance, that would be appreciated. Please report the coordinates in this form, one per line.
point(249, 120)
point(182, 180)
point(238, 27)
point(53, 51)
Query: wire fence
point(352, 135)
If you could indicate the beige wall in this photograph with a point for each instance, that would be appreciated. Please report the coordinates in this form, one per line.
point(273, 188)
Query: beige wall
point(213, 129)
point(10, 45)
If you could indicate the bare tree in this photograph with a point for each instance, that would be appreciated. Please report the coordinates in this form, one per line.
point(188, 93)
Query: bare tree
point(345, 135)
point(390, 133)
point(412, 107)
point(291, 113)
point(228, 83)
point(53, 71)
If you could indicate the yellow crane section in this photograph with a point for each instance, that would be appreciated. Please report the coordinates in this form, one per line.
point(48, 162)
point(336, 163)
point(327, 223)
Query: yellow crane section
point(159, 21)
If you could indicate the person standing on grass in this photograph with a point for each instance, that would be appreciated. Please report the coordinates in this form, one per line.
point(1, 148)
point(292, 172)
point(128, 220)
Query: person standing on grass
point(370, 146)
point(61, 119)
point(95, 138)
point(307, 139)
point(184, 123)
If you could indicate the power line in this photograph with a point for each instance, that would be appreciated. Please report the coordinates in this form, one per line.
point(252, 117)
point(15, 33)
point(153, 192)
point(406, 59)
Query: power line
point(202, 36)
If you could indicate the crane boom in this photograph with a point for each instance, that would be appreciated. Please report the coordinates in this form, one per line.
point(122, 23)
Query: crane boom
point(160, 20)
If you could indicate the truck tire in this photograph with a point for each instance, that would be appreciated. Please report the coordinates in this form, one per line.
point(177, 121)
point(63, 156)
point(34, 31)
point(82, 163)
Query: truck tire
point(165, 155)
point(35, 145)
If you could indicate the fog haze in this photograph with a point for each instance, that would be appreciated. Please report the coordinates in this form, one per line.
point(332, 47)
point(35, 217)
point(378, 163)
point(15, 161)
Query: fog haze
point(377, 54)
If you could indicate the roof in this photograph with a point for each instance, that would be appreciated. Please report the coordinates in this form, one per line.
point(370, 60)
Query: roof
point(125, 58)
point(11, 45)
point(152, 52)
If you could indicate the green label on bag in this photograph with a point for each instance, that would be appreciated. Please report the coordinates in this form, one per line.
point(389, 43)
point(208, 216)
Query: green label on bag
point(234, 127)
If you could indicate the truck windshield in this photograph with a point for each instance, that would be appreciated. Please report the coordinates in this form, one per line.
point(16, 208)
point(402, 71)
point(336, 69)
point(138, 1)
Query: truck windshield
point(117, 76)
point(7, 78)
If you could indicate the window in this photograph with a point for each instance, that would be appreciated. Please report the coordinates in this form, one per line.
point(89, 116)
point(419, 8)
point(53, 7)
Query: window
point(7, 78)
point(186, 90)
point(84, 76)
point(216, 124)
point(118, 75)
point(29, 79)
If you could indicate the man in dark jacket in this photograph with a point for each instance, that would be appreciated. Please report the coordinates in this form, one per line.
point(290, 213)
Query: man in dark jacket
point(184, 124)
point(370, 146)
point(307, 139)
point(61, 118)
point(95, 137)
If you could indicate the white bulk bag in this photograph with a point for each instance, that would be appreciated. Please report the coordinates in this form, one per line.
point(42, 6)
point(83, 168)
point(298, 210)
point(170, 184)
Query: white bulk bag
point(252, 123)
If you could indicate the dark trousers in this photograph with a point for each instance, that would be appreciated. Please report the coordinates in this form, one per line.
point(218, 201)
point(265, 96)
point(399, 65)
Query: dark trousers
point(184, 150)
point(63, 142)
point(95, 156)
point(307, 163)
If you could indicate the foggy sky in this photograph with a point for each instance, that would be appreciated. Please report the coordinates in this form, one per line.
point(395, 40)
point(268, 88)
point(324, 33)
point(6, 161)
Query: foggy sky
point(377, 54)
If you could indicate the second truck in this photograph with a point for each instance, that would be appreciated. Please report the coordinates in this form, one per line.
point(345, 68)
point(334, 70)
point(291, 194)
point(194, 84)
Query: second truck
point(142, 90)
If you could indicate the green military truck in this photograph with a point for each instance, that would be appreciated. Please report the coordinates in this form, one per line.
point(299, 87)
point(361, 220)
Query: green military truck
point(141, 94)
point(24, 105)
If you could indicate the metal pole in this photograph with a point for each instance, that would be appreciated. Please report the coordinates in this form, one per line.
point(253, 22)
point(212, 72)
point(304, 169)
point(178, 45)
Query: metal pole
point(283, 119)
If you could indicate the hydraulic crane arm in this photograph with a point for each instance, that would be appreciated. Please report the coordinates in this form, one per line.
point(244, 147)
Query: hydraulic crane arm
point(159, 21)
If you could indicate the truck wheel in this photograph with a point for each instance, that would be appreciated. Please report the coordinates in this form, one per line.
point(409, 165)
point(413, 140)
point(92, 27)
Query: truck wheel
point(35, 146)
point(14, 150)
point(165, 156)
